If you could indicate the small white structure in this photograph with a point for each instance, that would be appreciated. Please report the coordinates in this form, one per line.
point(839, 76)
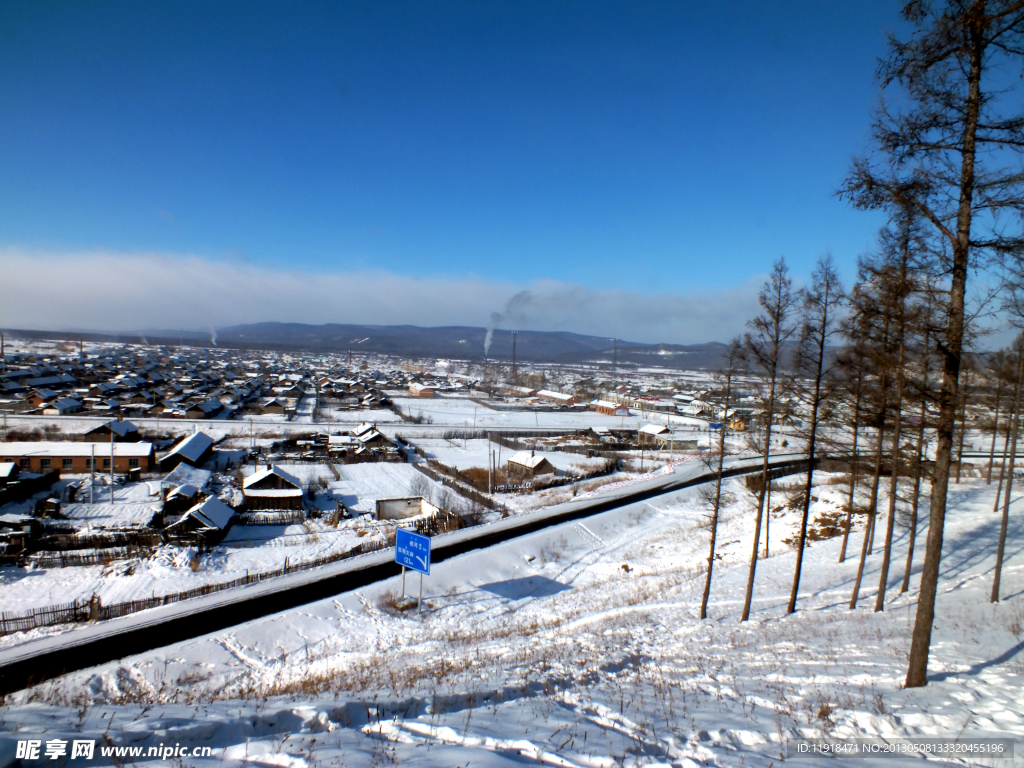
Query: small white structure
point(404, 508)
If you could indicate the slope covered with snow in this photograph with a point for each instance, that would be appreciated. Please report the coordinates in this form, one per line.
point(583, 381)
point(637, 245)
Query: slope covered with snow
point(580, 646)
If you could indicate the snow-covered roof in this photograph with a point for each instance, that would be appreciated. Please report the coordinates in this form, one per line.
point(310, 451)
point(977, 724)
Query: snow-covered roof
point(7, 468)
point(120, 428)
point(523, 458)
point(192, 447)
point(653, 429)
point(61, 448)
point(267, 472)
point(185, 474)
point(278, 493)
point(552, 395)
point(213, 512)
point(188, 490)
point(65, 403)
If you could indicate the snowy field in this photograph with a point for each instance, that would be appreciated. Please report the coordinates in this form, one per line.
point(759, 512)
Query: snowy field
point(362, 484)
point(464, 454)
point(580, 646)
point(462, 413)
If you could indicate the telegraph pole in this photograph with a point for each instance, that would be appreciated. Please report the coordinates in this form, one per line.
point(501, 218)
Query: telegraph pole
point(111, 464)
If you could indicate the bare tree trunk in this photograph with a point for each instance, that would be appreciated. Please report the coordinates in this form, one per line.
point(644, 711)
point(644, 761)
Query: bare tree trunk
point(749, 594)
point(963, 425)
point(1009, 480)
point(921, 639)
point(718, 495)
point(995, 431)
point(870, 522)
point(893, 481)
point(918, 471)
point(853, 472)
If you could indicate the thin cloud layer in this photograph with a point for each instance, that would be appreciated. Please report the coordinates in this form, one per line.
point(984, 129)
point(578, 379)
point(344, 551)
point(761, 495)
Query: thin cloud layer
point(138, 292)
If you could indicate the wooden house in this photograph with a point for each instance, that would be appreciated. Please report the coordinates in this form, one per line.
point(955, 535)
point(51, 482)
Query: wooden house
point(526, 464)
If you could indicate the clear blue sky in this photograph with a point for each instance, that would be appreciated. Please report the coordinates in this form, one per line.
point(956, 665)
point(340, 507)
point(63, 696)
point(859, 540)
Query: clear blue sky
point(638, 146)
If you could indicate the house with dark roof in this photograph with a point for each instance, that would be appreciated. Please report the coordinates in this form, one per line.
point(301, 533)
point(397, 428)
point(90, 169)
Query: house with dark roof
point(194, 450)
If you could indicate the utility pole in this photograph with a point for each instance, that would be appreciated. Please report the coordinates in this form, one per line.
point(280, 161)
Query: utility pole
point(111, 464)
point(92, 470)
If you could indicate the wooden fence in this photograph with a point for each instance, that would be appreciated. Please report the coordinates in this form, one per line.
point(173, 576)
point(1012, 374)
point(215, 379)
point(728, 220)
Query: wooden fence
point(90, 610)
point(272, 517)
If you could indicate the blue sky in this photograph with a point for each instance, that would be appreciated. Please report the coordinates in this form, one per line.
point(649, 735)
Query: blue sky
point(659, 149)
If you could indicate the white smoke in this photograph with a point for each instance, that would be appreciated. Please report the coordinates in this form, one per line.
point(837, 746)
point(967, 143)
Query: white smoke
point(213, 336)
point(514, 310)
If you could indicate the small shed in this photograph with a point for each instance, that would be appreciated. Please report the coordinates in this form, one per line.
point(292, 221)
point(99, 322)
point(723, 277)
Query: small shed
point(400, 509)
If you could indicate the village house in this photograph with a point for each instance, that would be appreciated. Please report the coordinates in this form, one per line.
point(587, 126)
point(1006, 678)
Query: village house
point(46, 456)
point(556, 397)
point(62, 406)
point(648, 433)
point(194, 450)
point(209, 518)
point(526, 464)
point(272, 488)
point(609, 408)
point(420, 390)
point(122, 431)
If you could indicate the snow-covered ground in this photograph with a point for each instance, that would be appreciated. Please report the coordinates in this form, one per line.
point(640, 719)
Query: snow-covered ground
point(462, 413)
point(580, 646)
point(362, 484)
point(465, 454)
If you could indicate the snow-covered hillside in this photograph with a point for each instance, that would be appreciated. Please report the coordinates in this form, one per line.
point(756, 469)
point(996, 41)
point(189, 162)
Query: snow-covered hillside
point(580, 646)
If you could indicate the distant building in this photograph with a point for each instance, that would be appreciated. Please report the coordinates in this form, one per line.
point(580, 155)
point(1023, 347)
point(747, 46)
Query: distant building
point(649, 433)
point(556, 397)
point(123, 432)
point(421, 390)
point(609, 408)
point(62, 406)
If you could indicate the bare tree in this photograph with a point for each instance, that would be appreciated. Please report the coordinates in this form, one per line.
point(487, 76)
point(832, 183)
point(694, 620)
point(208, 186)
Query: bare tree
point(764, 346)
point(1014, 426)
point(730, 371)
point(871, 329)
point(906, 253)
point(853, 371)
point(951, 155)
point(924, 396)
point(821, 303)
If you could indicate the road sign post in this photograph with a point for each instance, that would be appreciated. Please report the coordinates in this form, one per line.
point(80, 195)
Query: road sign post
point(412, 550)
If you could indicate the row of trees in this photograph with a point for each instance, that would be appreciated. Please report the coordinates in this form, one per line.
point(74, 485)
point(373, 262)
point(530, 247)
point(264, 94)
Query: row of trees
point(946, 169)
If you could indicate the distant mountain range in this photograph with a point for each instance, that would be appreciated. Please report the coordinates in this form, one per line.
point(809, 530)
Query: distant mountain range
point(462, 342)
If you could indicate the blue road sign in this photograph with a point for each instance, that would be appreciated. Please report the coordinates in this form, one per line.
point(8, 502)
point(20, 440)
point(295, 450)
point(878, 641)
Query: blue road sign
point(412, 550)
